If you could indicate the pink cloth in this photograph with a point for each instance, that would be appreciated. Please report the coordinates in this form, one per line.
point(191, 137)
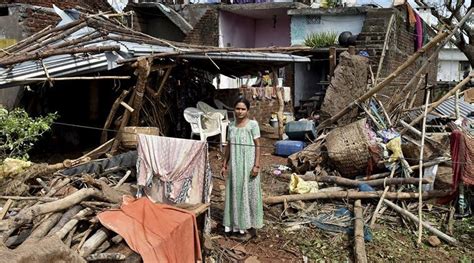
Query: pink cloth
point(158, 232)
point(169, 166)
point(419, 32)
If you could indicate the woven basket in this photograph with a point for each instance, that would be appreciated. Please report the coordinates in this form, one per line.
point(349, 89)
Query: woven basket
point(129, 138)
point(348, 149)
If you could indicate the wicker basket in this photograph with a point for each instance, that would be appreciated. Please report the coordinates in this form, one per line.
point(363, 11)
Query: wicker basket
point(129, 137)
point(348, 148)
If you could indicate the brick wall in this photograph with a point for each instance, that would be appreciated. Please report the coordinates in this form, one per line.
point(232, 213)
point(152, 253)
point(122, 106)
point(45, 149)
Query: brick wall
point(206, 31)
point(260, 110)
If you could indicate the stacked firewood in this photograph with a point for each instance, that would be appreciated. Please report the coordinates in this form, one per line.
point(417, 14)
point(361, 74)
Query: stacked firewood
point(41, 207)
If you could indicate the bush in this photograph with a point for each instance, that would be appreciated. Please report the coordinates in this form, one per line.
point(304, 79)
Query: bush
point(322, 39)
point(19, 132)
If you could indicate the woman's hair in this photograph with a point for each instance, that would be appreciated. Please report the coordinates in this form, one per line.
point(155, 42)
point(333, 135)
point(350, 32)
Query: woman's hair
point(244, 101)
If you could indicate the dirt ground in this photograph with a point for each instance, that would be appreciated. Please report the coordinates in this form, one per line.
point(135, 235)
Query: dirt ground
point(281, 241)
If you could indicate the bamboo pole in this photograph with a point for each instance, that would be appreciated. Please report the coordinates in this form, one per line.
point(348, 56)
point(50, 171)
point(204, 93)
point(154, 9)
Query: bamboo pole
point(359, 244)
point(434, 105)
point(384, 49)
point(351, 195)
point(414, 167)
point(456, 99)
point(385, 82)
point(420, 173)
point(413, 217)
point(378, 182)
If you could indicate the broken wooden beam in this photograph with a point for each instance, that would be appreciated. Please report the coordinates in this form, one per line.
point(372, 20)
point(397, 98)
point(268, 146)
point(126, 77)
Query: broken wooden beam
point(351, 195)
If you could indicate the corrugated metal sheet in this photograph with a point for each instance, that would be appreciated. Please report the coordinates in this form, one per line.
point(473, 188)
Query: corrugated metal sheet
point(448, 107)
point(79, 64)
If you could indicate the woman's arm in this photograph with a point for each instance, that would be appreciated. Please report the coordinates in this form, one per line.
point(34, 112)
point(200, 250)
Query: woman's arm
point(256, 167)
point(226, 159)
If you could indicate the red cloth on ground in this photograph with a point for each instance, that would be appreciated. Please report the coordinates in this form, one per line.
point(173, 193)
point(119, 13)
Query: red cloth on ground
point(158, 232)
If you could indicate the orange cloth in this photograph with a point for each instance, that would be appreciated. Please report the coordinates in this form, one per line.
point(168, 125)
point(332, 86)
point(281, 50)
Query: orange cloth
point(158, 232)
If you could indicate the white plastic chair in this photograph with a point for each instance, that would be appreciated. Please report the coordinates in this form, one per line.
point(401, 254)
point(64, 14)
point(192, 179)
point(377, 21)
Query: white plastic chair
point(202, 124)
point(206, 108)
point(222, 106)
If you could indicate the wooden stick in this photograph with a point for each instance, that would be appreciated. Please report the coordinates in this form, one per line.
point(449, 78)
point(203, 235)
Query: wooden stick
point(111, 115)
point(103, 148)
point(413, 217)
point(84, 237)
point(66, 217)
point(126, 106)
point(351, 195)
point(359, 244)
point(66, 78)
point(384, 49)
point(379, 204)
point(456, 99)
point(434, 105)
point(420, 173)
point(5, 208)
point(385, 82)
point(123, 123)
point(163, 81)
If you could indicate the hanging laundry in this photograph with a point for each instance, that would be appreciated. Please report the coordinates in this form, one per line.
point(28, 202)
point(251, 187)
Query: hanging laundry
point(158, 232)
point(173, 170)
point(419, 32)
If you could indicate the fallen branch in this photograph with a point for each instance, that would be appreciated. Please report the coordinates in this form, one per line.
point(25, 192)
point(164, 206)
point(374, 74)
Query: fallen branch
point(351, 195)
point(106, 256)
point(413, 217)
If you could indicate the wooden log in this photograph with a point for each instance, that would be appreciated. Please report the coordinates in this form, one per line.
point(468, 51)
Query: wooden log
point(84, 237)
point(49, 53)
point(27, 215)
point(350, 195)
point(46, 226)
point(69, 237)
point(5, 208)
point(384, 49)
point(359, 243)
point(111, 115)
point(66, 217)
point(420, 173)
point(123, 179)
point(72, 223)
point(385, 82)
point(123, 123)
point(378, 182)
point(94, 242)
point(106, 256)
point(428, 227)
point(143, 70)
point(434, 105)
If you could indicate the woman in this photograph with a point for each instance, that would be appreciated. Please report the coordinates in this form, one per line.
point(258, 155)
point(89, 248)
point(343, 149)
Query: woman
point(243, 195)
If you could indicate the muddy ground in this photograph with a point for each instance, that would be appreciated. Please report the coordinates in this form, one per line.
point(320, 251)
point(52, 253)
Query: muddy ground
point(393, 239)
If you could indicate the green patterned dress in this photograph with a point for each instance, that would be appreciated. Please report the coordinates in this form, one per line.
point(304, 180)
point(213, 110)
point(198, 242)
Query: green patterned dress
point(243, 202)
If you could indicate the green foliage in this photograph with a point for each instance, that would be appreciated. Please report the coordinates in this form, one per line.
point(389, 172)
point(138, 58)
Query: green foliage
point(19, 132)
point(323, 39)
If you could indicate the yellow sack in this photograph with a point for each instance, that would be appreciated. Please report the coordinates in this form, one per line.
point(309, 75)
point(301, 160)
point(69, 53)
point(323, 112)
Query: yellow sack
point(11, 166)
point(395, 145)
point(300, 186)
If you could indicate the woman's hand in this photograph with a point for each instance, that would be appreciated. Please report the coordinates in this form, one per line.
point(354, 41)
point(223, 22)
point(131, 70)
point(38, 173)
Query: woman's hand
point(224, 171)
point(255, 170)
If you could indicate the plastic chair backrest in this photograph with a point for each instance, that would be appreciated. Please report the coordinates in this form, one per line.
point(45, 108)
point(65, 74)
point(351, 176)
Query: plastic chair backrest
point(193, 116)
